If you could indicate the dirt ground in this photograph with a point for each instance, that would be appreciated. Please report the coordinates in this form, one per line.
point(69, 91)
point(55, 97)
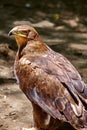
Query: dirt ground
point(15, 110)
point(68, 38)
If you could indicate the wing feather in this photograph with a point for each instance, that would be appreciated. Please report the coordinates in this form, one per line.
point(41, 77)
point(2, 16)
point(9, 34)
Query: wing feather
point(54, 90)
point(70, 76)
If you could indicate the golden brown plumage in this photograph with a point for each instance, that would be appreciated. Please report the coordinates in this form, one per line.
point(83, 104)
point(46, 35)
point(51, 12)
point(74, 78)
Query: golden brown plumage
point(49, 81)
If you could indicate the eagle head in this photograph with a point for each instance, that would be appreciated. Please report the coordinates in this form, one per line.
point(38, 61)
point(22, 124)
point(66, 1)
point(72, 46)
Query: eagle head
point(23, 33)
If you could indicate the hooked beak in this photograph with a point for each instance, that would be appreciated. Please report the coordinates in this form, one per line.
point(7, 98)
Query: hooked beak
point(16, 33)
point(11, 33)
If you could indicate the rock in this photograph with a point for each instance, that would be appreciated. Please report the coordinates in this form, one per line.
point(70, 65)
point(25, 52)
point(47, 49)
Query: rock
point(41, 24)
point(6, 72)
point(6, 52)
point(79, 47)
point(6, 62)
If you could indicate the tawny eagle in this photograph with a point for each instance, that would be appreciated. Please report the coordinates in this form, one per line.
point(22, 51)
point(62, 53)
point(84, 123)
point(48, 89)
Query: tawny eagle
point(55, 88)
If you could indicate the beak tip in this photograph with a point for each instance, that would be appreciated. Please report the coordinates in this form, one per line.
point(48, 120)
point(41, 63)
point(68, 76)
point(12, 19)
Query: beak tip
point(10, 33)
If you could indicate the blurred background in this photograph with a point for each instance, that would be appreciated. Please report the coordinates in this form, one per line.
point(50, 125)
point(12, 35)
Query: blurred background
point(62, 24)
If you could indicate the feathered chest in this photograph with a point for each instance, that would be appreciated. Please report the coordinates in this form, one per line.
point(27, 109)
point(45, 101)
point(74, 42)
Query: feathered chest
point(24, 73)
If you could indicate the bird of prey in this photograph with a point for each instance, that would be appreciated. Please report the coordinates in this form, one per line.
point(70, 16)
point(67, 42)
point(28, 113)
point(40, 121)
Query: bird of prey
point(52, 84)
